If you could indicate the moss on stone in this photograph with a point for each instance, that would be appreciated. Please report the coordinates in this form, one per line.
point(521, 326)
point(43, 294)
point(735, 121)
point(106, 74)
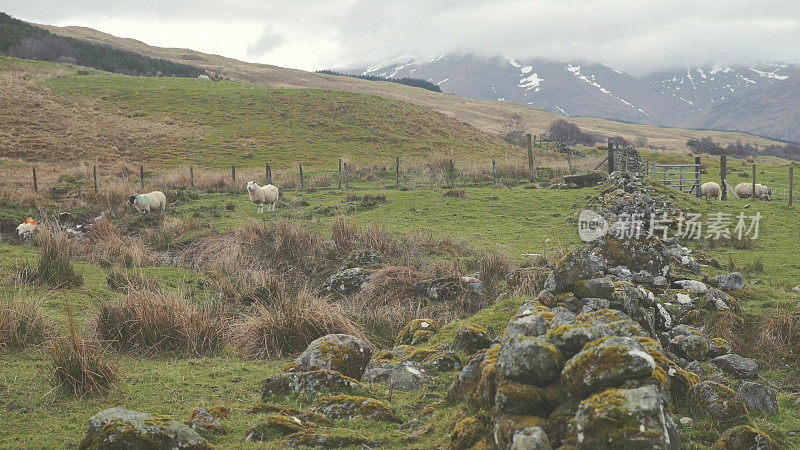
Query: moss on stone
point(745, 437)
point(275, 426)
point(468, 432)
point(507, 425)
point(416, 331)
point(219, 412)
point(514, 397)
point(352, 406)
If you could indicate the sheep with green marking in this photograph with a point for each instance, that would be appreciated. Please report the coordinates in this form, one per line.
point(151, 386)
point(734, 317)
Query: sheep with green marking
point(144, 203)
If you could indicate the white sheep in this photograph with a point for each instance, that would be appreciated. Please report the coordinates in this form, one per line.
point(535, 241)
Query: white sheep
point(144, 203)
point(763, 192)
point(710, 190)
point(745, 190)
point(263, 194)
point(27, 228)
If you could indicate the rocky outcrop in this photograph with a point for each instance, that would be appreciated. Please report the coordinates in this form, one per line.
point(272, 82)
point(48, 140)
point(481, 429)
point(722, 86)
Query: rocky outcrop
point(121, 428)
point(343, 353)
point(350, 407)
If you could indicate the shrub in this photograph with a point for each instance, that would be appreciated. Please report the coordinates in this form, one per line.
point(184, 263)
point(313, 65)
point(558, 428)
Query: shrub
point(22, 322)
point(289, 325)
point(149, 322)
point(79, 366)
point(55, 266)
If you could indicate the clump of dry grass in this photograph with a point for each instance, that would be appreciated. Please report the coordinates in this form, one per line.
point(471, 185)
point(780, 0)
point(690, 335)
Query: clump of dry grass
point(248, 287)
point(149, 322)
point(55, 262)
point(494, 266)
point(107, 244)
point(22, 321)
point(347, 236)
point(127, 280)
point(80, 366)
point(778, 335)
point(289, 325)
point(172, 232)
point(455, 192)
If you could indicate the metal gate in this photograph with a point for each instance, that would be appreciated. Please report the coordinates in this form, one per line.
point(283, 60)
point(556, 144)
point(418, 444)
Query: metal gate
point(683, 177)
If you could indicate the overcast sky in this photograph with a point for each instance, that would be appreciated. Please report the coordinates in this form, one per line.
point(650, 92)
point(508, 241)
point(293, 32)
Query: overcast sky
point(637, 36)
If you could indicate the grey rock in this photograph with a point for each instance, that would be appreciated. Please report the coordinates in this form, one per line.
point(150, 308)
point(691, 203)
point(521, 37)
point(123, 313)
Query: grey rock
point(736, 365)
point(470, 339)
point(530, 438)
point(692, 347)
point(594, 288)
point(529, 360)
point(643, 277)
point(571, 339)
point(593, 304)
point(377, 372)
point(757, 396)
point(346, 282)
point(709, 399)
point(730, 281)
point(408, 376)
point(606, 363)
point(126, 429)
point(660, 281)
point(664, 319)
point(693, 286)
point(716, 300)
point(314, 381)
point(530, 324)
point(343, 353)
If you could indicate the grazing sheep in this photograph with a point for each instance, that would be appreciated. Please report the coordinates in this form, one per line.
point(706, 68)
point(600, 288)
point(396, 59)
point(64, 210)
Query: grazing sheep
point(763, 192)
point(710, 190)
point(144, 203)
point(263, 194)
point(27, 229)
point(745, 190)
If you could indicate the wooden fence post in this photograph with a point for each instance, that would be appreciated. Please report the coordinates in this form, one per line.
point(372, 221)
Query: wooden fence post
point(94, 171)
point(35, 182)
point(191, 176)
point(302, 182)
point(531, 170)
point(141, 176)
point(697, 176)
point(569, 163)
point(753, 185)
point(451, 172)
point(610, 144)
point(346, 181)
point(269, 172)
point(791, 184)
point(494, 172)
point(611, 167)
point(233, 173)
point(723, 168)
point(340, 173)
point(397, 171)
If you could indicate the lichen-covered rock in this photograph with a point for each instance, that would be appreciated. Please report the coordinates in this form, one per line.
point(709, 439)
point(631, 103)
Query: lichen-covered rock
point(607, 362)
point(408, 376)
point(718, 347)
point(442, 289)
point(443, 361)
point(471, 338)
point(602, 316)
point(507, 426)
point(346, 407)
point(343, 353)
point(477, 381)
point(202, 421)
point(577, 265)
point(642, 254)
point(529, 360)
point(664, 319)
point(514, 397)
point(274, 426)
point(528, 324)
point(757, 396)
point(362, 258)
point(709, 399)
point(571, 338)
point(530, 438)
point(377, 372)
point(589, 304)
point(693, 347)
point(693, 286)
point(312, 381)
point(730, 281)
point(716, 300)
point(626, 418)
point(594, 288)
point(468, 432)
point(736, 365)
point(417, 331)
point(562, 316)
point(346, 282)
point(121, 428)
point(745, 438)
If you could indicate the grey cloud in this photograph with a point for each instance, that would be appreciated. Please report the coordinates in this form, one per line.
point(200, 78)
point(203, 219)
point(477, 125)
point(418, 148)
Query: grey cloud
point(268, 41)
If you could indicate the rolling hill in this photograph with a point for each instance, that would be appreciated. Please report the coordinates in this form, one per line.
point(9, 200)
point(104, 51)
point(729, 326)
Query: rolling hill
point(487, 115)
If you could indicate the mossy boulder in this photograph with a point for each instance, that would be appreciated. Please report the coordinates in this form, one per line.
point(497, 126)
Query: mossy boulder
point(744, 437)
point(443, 361)
point(594, 288)
point(607, 362)
point(718, 347)
point(579, 264)
point(347, 407)
point(477, 381)
point(737, 365)
point(709, 399)
point(570, 338)
point(528, 324)
point(343, 353)
point(508, 426)
point(529, 360)
point(626, 418)
point(417, 331)
point(468, 432)
point(470, 338)
point(202, 421)
point(313, 381)
point(514, 397)
point(757, 396)
point(692, 347)
point(642, 254)
point(346, 282)
point(408, 376)
point(120, 428)
point(275, 426)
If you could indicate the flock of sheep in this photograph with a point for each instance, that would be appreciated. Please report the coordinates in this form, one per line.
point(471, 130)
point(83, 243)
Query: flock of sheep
point(742, 190)
point(157, 201)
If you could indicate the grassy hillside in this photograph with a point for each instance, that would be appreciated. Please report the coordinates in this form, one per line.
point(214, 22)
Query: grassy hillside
point(490, 116)
point(49, 112)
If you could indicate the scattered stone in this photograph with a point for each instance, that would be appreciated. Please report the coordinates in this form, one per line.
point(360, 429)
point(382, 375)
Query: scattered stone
point(471, 338)
point(745, 437)
point(377, 372)
point(363, 258)
point(644, 277)
point(274, 426)
point(663, 318)
point(709, 399)
point(626, 418)
point(345, 407)
point(607, 362)
point(121, 428)
point(686, 422)
point(346, 282)
point(717, 300)
point(202, 421)
point(312, 381)
point(408, 376)
point(443, 289)
point(417, 331)
point(730, 281)
point(736, 365)
point(693, 286)
point(660, 282)
point(684, 299)
point(757, 397)
point(343, 353)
